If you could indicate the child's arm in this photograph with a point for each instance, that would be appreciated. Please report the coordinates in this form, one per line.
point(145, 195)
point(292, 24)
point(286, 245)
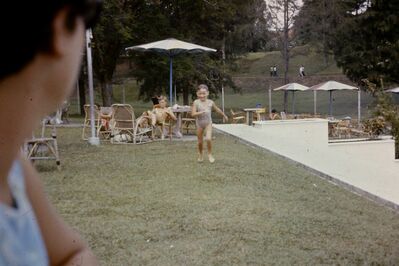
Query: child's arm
point(64, 245)
point(194, 112)
point(171, 114)
point(217, 109)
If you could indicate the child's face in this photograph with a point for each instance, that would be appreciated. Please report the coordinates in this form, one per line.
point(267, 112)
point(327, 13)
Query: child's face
point(202, 94)
point(162, 103)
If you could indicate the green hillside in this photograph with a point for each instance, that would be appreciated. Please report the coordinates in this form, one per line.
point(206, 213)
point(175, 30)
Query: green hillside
point(253, 64)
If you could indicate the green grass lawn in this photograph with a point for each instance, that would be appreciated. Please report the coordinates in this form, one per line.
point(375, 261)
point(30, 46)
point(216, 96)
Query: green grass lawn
point(153, 204)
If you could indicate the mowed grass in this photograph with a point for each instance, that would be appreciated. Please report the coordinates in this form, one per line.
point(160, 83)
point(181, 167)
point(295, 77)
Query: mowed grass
point(153, 204)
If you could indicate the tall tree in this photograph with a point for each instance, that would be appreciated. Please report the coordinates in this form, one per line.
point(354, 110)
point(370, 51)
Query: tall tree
point(283, 13)
point(367, 42)
point(318, 20)
point(110, 36)
point(367, 48)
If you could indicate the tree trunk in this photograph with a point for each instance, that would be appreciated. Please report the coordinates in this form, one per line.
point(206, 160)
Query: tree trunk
point(106, 93)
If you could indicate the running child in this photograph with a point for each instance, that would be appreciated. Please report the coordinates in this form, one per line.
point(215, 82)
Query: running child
point(202, 110)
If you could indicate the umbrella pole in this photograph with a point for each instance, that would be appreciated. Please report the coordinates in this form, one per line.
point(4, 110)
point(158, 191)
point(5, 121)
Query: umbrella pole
point(171, 80)
point(93, 140)
point(358, 107)
point(314, 102)
point(175, 95)
point(293, 102)
point(270, 100)
point(330, 107)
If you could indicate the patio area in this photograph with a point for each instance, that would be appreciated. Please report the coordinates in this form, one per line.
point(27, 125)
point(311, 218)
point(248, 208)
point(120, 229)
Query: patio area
point(138, 205)
point(365, 166)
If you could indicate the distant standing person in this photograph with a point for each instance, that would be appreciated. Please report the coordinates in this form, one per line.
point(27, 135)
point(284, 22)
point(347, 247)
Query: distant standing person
point(271, 71)
point(275, 70)
point(302, 71)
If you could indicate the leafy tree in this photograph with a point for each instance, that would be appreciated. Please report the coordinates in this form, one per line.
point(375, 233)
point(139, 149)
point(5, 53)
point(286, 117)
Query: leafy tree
point(367, 48)
point(317, 23)
point(283, 27)
point(367, 43)
point(110, 37)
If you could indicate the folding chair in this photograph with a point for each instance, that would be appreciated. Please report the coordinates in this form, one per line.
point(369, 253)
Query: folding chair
point(43, 148)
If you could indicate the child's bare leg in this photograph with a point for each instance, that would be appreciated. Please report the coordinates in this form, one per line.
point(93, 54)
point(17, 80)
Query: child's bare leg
point(153, 118)
point(200, 133)
point(208, 138)
point(209, 146)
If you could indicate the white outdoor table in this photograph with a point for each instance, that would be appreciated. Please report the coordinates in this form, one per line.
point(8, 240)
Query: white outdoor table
point(179, 111)
point(251, 110)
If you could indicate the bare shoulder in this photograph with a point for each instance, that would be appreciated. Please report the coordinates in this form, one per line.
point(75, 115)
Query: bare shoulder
point(62, 242)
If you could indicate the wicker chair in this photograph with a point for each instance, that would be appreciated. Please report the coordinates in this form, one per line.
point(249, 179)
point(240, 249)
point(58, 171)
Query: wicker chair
point(237, 117)
point(86, 123)
point(124, 125)
point(43, 148)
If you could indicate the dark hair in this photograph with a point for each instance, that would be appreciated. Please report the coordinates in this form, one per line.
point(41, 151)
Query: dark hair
point(26, 28)
point(202, 86)
point(274, 111)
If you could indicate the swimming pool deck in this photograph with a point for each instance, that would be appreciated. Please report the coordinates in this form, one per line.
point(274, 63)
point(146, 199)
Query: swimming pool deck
point(364, 167)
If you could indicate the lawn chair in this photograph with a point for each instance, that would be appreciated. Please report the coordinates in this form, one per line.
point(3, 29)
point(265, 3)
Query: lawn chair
point(86, 123)
point(125, 128)
point(237, 117)
point(283, 116)
point(259, 115)
point(43, 148)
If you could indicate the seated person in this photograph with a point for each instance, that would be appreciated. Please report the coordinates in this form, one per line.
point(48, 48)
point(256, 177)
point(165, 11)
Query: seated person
point(105, 117)
point(155, 101)
point(162, 112)
point(274, 115)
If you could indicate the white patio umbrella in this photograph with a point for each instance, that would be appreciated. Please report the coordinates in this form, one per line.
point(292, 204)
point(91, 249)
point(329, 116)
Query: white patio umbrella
point(395, 90)
point(336, 86)
point(292, 87)
point(171, 47)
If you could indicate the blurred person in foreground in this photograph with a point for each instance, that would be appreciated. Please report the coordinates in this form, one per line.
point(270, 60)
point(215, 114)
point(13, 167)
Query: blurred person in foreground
point(41, 50)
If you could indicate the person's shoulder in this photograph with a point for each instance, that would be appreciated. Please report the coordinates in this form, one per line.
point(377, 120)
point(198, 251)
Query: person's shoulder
point(211, 102)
